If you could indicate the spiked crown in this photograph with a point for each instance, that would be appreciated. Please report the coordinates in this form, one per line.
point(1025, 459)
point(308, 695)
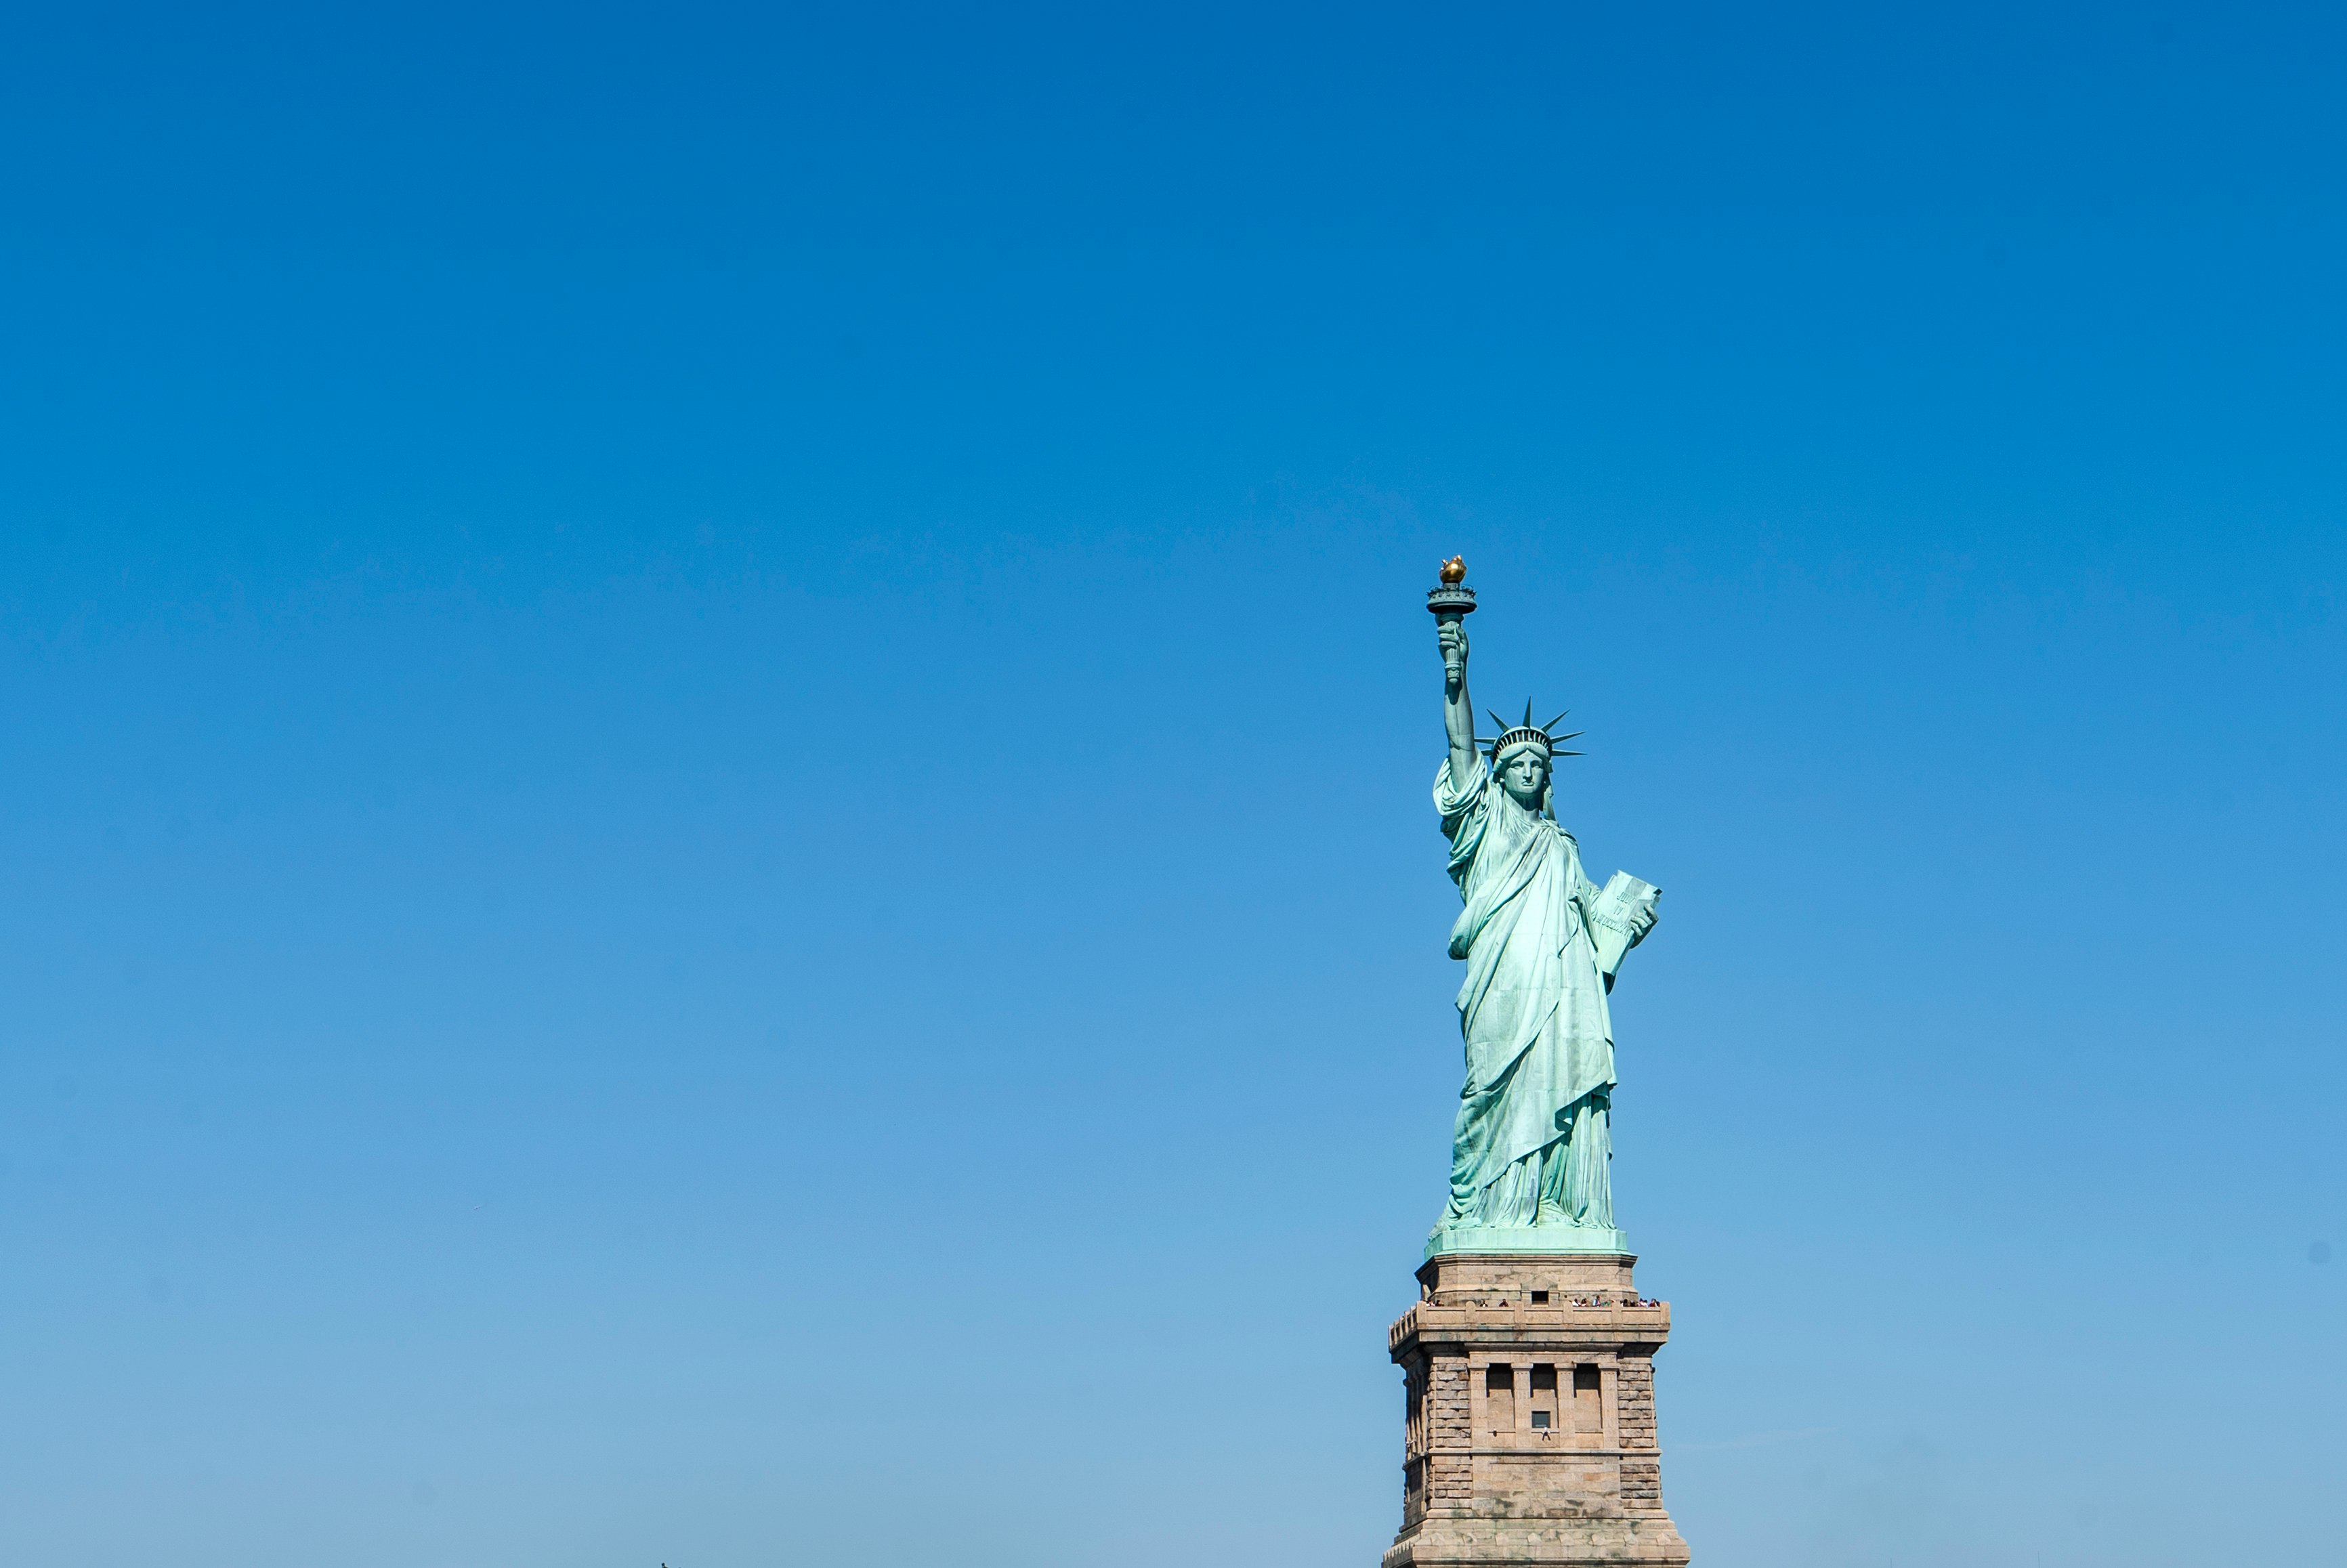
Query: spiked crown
point(1541, 737)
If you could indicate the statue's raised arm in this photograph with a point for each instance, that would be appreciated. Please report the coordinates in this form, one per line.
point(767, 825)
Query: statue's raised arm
point(1457, 712)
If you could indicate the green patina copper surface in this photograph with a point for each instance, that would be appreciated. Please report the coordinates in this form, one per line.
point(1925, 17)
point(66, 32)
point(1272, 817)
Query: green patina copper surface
point(1533, 1142)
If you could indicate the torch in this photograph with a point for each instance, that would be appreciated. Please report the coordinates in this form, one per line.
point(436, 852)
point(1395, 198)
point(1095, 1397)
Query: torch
point(1451, 603)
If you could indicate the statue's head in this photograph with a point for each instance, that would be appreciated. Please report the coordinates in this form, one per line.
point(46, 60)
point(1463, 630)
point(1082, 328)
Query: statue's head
point(1522, 756)
point(1524, 775)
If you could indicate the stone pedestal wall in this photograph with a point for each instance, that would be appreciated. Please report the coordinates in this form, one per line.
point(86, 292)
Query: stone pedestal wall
point(1529, 1384)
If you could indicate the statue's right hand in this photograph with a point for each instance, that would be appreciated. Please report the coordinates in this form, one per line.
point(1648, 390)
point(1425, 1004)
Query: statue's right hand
point(1453, 638)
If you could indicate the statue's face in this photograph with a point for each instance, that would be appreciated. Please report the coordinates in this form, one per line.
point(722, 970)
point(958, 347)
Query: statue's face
point(1523, 777)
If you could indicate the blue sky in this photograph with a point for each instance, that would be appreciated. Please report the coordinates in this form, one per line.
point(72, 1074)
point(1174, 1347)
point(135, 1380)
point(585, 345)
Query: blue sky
point(717, 841)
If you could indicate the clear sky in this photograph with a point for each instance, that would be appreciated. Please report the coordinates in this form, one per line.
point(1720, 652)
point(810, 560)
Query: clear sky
point(716, 835)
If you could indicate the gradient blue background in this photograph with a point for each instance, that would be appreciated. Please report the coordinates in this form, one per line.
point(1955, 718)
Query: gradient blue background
point(660, 662)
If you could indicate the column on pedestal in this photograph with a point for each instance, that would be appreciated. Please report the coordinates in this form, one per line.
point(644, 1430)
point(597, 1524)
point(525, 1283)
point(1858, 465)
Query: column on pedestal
point(1642, 1468)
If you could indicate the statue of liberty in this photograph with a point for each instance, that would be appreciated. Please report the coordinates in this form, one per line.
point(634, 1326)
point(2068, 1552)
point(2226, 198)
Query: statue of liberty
point(1542, 943)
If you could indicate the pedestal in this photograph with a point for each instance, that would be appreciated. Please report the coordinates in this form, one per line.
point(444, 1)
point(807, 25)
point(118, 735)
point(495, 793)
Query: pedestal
point(1531, 1389)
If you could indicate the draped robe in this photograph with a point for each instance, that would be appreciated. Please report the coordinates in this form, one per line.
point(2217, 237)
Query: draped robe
point(1534, 1137)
